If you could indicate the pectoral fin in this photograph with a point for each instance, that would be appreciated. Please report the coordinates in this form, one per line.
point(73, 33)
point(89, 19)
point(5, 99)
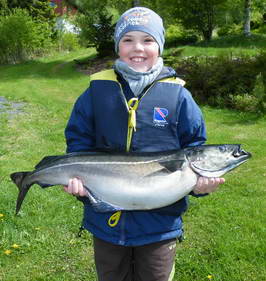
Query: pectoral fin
point(173, 165)
point(100, 205)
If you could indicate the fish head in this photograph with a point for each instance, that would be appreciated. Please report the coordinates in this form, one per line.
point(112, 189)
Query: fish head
point(215, 160)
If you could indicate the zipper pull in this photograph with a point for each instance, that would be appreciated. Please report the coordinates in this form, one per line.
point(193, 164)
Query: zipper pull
point(132, 107)
point(132, 123)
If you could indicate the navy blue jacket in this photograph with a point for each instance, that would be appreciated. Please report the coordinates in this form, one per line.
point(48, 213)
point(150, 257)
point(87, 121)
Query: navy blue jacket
point(167, 118)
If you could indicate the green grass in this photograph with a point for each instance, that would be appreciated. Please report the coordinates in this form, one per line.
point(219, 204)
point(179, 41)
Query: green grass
point(234, 45)
point(225, 232)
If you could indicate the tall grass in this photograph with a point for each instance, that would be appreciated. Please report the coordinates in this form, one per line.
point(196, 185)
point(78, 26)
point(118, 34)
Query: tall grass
point(225, 232)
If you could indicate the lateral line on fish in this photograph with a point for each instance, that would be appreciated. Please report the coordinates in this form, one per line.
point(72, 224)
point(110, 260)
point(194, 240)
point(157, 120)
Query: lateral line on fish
point(104, 163)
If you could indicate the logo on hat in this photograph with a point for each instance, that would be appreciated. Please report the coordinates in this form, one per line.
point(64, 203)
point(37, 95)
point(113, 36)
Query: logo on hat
point(135, 18)
point(160, 116)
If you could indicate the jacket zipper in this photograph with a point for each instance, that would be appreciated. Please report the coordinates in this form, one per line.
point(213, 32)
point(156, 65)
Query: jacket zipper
point(123, 214)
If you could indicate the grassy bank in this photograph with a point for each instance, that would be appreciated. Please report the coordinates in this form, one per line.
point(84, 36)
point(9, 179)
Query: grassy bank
point(225, 232)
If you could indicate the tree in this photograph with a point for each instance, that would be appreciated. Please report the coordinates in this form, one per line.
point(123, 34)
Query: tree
point(39, 9)
point(247, 17)
point(199, 15)
point(97, 27)
point(3, 5)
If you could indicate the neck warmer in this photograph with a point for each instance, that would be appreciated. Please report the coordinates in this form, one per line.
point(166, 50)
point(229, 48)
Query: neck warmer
point(138, 81)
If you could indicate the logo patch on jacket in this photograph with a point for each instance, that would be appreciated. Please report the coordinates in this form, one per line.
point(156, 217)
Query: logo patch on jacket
point(160, 116)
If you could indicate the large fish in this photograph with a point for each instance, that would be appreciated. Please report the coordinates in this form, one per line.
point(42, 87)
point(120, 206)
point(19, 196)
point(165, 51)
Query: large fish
point(142, 181)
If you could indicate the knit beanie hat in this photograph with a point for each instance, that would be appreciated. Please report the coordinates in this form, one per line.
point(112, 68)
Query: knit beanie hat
point(140, 19)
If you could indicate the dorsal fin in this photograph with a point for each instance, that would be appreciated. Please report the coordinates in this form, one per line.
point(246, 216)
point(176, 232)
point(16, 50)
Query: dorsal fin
point(46, 160)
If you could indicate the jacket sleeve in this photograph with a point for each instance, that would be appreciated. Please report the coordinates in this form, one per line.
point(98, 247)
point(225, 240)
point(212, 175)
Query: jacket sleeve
point(80, 129)
point(191, 126)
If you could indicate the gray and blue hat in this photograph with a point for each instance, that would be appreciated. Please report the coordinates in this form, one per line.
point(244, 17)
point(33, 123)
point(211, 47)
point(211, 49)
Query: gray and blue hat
point(140, 19)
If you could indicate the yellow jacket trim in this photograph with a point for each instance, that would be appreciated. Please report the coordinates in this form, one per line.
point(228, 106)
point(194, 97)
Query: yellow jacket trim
point(108, 74)
point(174, 80)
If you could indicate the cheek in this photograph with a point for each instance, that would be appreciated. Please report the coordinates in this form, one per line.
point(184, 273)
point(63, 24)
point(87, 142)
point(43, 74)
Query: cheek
point(122, 52)
point(122, 56)
point(154, 51)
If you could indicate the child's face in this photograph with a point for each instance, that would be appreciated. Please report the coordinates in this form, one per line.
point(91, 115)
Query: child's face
point(139, 50)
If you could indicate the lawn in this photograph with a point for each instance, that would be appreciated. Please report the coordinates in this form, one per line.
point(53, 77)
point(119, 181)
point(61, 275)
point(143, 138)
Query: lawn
point(225, 232)
point(235, 45)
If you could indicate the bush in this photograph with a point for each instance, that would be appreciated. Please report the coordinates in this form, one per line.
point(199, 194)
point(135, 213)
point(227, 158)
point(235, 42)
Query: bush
point(259, 92)
point(244, 102)
point(68, 41)
point(176, 35)
point(22, 38)
point(261, 29)
point(230, 29)
point(224, 81)
point(97, 33)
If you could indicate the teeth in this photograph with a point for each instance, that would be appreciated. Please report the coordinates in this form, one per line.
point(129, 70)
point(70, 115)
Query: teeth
point(137, 59)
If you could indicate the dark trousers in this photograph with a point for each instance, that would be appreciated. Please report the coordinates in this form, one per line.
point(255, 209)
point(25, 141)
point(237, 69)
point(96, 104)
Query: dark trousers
point(152, 262)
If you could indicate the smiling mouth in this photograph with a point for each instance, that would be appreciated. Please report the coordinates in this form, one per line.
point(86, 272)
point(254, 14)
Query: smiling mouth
point(137, 59)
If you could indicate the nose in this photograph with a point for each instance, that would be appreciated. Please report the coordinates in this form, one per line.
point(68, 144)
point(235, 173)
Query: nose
point(139, 46)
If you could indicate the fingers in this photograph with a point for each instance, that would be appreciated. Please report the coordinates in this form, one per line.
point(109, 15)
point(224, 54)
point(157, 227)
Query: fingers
point(207, 185)
point(75, 187)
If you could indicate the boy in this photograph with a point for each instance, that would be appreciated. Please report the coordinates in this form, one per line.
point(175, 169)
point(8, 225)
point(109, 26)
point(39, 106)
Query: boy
point(136, 245)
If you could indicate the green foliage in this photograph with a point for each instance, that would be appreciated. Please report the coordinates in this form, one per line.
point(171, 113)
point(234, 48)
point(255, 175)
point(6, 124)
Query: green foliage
point(261, 29)
point(230, 29)
point(68, 41)
point(223, 81)
point(199, 15)
point(254, 102)
point(244, 102)
point(40, 10)
point(3, 5)
point(176, 35)
point(97, 27)
point(22, 38)
point(259, 92)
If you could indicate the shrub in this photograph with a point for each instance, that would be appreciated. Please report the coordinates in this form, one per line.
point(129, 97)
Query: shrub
point(68, 41)
point(245, 102)
point(98, 34)
point(261, 29)
point(171, 56)
point(259, 92)
point(21, 37)
point(176, 35)
point(230, 29)
point(223, 81)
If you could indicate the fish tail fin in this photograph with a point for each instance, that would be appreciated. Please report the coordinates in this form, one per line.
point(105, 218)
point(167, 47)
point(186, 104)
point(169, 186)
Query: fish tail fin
point(18, 179)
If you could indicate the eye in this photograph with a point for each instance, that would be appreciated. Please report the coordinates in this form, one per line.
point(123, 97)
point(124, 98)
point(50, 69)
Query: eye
point(126, 40)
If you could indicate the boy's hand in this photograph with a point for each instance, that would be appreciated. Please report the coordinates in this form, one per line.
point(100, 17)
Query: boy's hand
point(76, 188)
point(207, 185)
